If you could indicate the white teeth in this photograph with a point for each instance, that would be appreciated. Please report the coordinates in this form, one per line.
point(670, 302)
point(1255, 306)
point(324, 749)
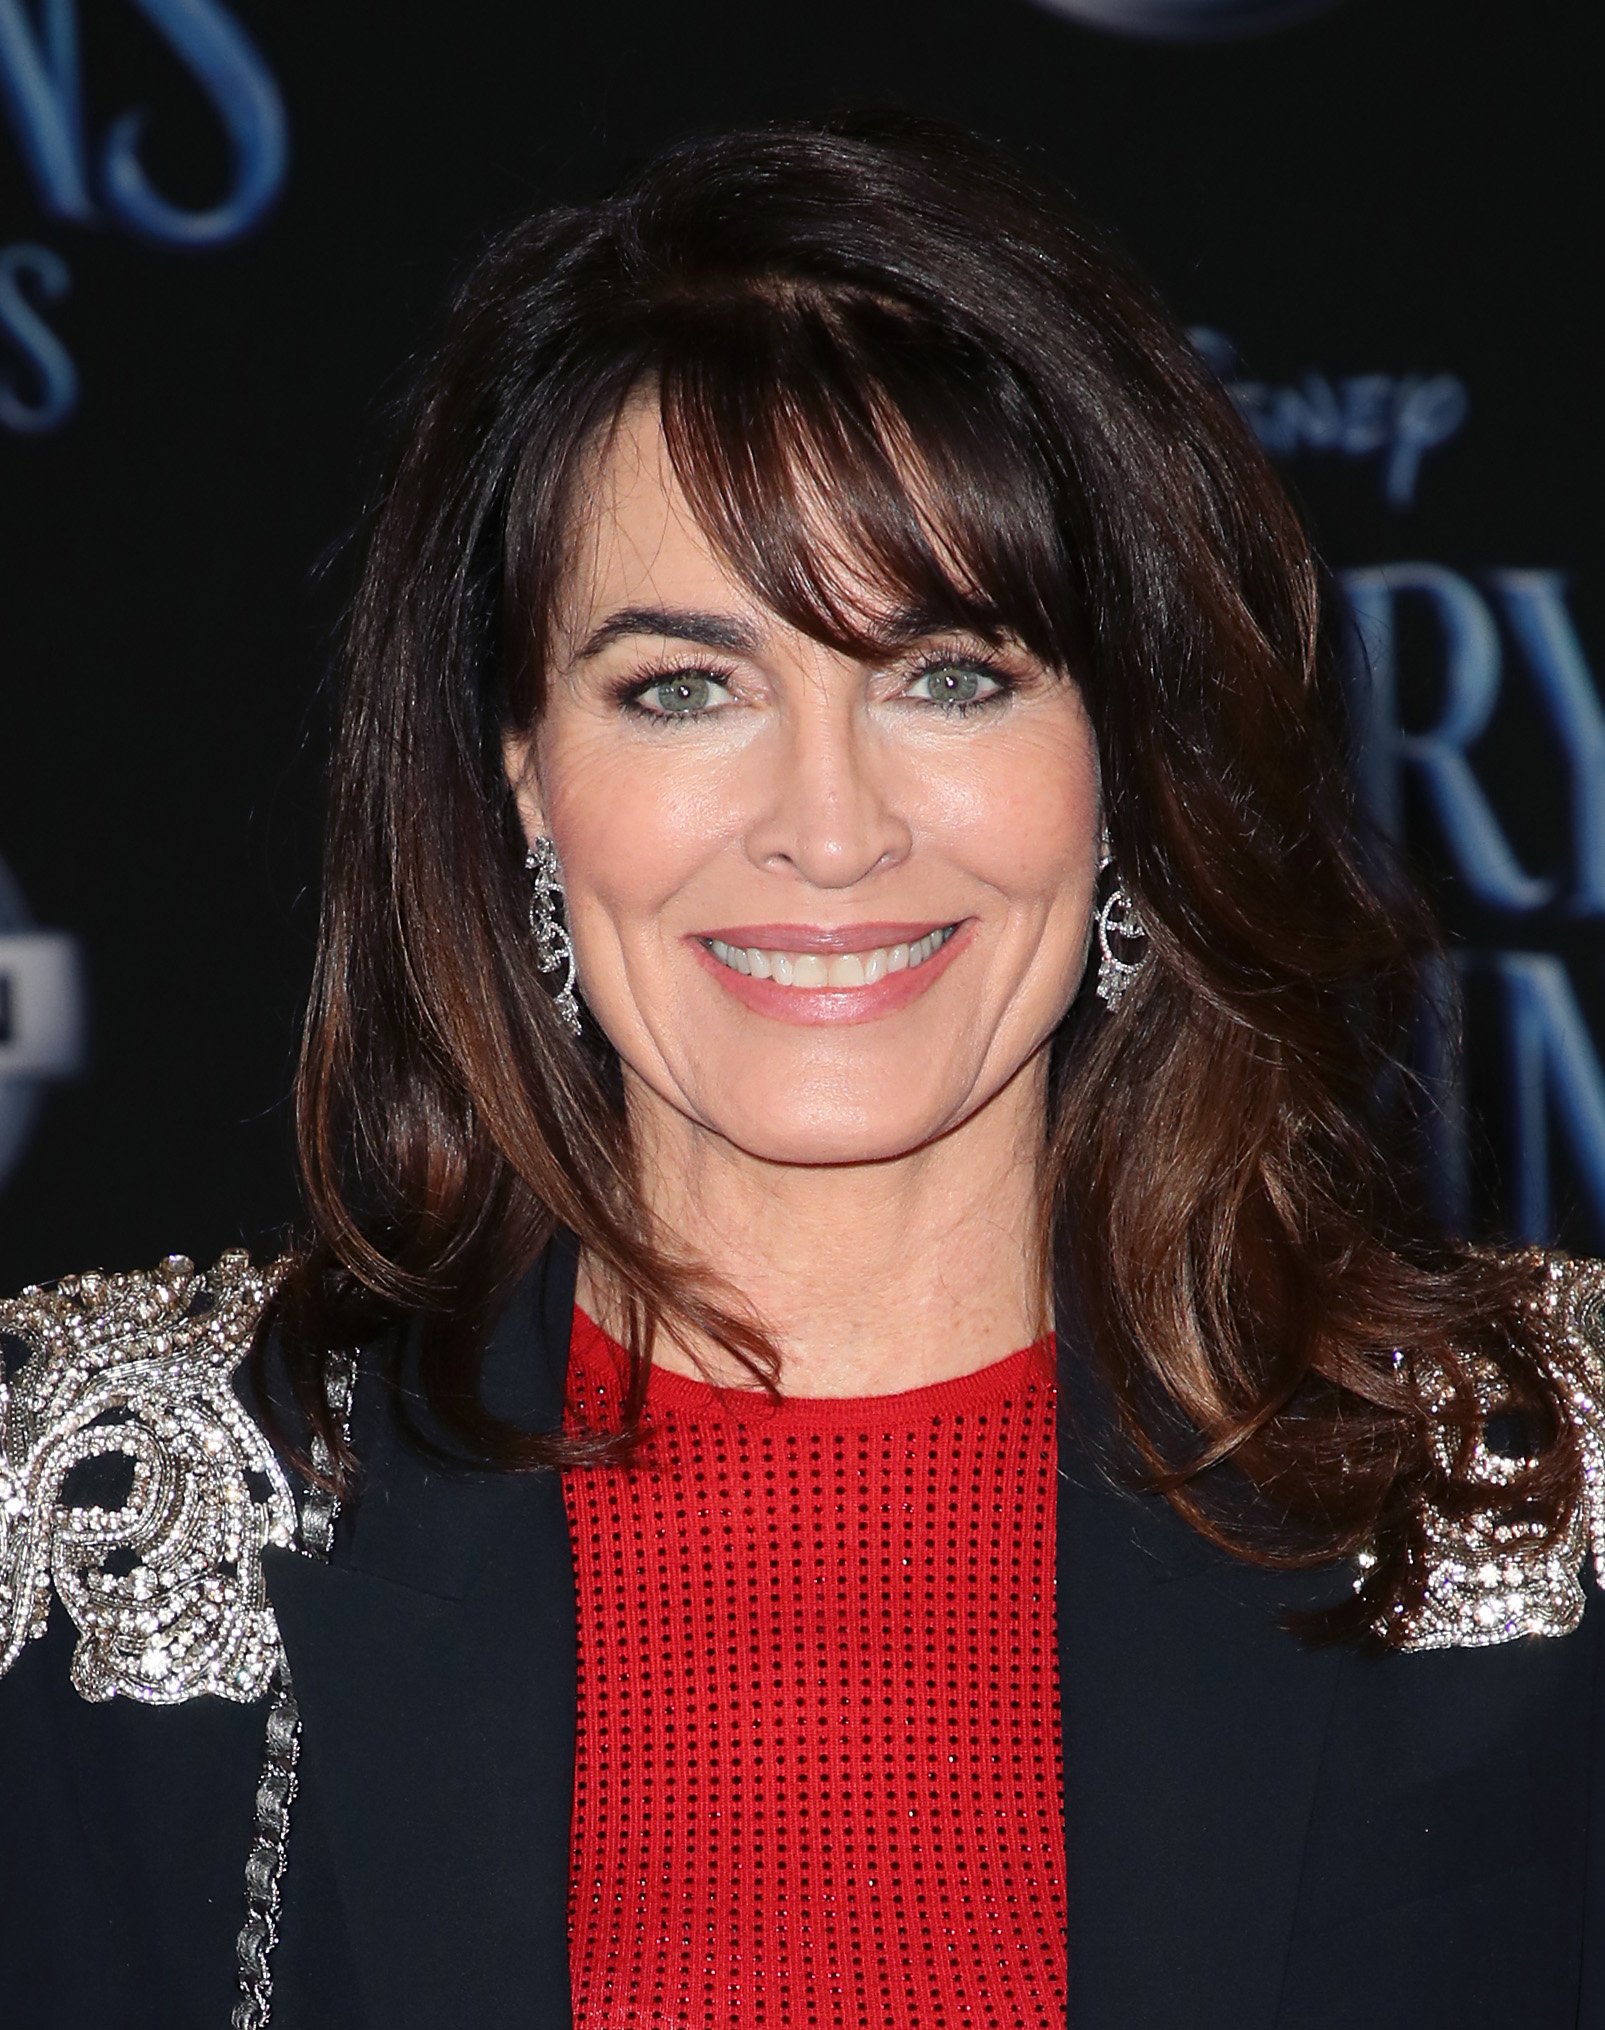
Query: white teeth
point(810, 970)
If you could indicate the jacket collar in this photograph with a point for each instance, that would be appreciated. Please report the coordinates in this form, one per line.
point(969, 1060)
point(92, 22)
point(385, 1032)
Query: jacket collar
point(434, 1660)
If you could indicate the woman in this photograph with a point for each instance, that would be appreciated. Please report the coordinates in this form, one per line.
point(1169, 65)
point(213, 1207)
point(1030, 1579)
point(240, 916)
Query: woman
point(870, 1431)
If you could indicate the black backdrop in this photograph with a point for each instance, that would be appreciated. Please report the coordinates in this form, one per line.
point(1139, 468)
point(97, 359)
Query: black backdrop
point(225, 228)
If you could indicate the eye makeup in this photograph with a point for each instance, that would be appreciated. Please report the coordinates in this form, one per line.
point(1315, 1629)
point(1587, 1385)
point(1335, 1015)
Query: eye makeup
point(695, 675)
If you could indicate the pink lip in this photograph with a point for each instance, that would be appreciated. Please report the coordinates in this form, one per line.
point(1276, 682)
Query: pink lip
point(811, 1006)
point(822, 938)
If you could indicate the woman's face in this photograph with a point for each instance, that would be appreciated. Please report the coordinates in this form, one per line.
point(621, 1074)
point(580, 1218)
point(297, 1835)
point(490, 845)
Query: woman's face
point(824, 909)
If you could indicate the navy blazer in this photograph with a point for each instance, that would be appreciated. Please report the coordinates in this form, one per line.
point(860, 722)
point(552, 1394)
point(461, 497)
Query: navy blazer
point(1259, 1835)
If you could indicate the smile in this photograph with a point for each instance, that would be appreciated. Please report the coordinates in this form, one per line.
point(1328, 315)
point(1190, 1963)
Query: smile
point(823, 975)
point(811, 971)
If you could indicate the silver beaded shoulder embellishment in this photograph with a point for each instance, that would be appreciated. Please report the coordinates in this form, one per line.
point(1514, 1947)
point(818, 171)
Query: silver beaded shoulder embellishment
point(129, 1376)
point(1491, 1582)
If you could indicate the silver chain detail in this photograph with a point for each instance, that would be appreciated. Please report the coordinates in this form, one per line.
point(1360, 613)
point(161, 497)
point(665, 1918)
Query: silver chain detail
point(264, 1865)
point(319, 1507)
point(281, 1752)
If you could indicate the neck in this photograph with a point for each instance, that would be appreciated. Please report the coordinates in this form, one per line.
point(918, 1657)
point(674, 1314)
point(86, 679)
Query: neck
point(869, 1277)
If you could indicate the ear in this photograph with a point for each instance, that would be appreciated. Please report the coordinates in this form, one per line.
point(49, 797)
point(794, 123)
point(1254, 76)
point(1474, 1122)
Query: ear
point(518, 763)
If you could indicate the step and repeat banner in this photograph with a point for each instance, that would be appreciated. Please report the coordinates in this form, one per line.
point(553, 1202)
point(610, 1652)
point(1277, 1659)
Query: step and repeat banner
point(225, 229)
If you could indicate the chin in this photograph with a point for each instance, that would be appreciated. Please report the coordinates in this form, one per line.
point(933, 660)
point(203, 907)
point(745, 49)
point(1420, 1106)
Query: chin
point(819, 1136)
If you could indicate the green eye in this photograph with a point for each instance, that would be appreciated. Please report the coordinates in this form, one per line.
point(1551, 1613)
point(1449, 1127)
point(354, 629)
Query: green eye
point(957, 684)
point(681, 694)
point(686, 693)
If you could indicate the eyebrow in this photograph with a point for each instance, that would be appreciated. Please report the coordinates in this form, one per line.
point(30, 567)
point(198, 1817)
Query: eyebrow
point(672, 623)
point(723, 631)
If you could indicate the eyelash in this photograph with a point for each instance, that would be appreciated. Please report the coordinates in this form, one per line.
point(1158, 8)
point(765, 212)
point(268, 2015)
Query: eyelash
point(629, 691)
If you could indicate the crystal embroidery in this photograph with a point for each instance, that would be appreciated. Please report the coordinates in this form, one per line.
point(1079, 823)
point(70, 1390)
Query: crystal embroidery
point(165, 1588)
point(1490, 1582)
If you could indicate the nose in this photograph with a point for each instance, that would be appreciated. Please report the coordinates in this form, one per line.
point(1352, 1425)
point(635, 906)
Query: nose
point(835, 804)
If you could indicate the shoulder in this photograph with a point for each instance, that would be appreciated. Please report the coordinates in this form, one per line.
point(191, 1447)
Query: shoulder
point(1491, 1575)
point(1569, 1296)
point(134, 1484)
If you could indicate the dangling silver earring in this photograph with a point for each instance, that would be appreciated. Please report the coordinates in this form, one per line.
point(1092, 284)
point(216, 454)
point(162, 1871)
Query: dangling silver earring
point(1117, 919)
point(554, 948)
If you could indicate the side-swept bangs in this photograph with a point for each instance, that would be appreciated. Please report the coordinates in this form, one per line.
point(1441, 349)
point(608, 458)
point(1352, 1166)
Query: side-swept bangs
point(853, 460)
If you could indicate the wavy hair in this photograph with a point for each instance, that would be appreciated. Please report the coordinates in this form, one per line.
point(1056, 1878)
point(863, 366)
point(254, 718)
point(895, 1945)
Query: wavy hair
point(852, 313)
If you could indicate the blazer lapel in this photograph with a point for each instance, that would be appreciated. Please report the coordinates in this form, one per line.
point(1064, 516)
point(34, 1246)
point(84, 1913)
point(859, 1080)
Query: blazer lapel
point(434, 1662)
point(1193, 1733)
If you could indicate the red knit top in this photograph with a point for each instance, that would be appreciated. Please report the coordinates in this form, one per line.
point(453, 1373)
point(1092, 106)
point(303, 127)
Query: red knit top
point(818, 1769)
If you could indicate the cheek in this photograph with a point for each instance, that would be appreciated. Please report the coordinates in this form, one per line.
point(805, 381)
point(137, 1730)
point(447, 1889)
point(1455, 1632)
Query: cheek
point(1024, 817)
point(630, 828)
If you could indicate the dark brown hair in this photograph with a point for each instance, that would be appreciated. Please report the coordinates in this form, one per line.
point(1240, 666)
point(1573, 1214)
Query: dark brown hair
point(821, 313)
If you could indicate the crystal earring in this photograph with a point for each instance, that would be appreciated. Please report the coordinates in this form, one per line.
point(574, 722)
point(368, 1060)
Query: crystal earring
point(1117, 921)
point(554, 948)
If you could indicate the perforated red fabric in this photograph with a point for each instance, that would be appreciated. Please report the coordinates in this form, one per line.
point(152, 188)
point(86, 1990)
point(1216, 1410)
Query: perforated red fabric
point(818, 1770)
